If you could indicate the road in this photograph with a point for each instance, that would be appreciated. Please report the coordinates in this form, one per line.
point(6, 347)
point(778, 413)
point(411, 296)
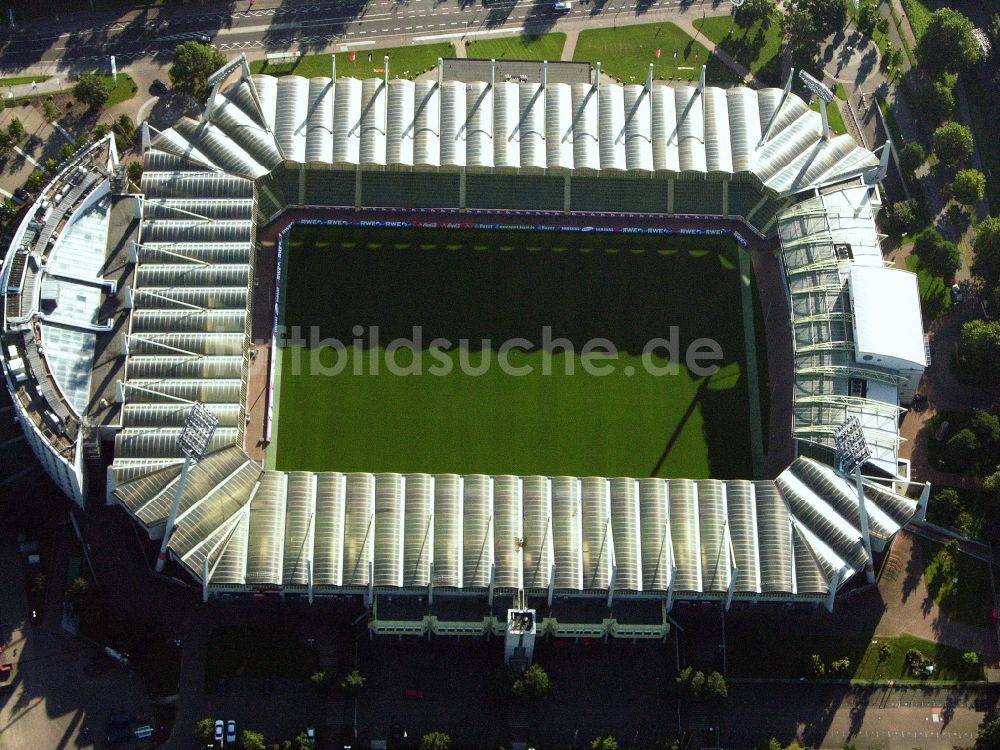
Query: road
point(316, 27)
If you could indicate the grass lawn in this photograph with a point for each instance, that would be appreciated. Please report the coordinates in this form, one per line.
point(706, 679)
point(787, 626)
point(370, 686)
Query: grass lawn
point(968, 599)
point(121, 91)
point(787, 655)
point(752, 46)
point(479, 290)
point(626, 53)
point(258, 651)
point(837, 126)
point(404, 62)
point(919, 13)
point(543, 47)
point(18, 80)
point(935, 297)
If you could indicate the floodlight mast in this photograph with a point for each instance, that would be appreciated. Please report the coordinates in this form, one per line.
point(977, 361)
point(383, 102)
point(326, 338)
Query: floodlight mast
point(822, 93)
point(852, 452)
point(194, 440)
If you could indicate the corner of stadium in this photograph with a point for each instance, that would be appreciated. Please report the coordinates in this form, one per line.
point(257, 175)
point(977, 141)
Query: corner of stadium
point(123, 310)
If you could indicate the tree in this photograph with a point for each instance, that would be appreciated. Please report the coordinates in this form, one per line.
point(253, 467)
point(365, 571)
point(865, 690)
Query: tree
point(960, 451)
point(353, 682)
point(969, 186)
point(66, 151)
point(840, 667)
point(970, 658)
point(320, 681)
point(16, 131)
point(953, 143)
point(830, 15)
point(252, 740)
point(92, 90)
point(986, 252)
point(78, 589)
point(801, 35)
point(204, 730)
point(715, 687)
point(124, 130)
point(771, 744)
point(135, 171)
point(604, 743)
point(51, 165)
point(7, 212)
point(989, 736)
point(978, 357)
point(868, 17)
point(435, 741)
point(534, 683)
point(986, 426)
point(50, 110)
point(952, 549)
point(937, 96)
point(905, 216)
point(994, 31)
point(754, 11)
point(193, 63)
point(34, 181)
point(936, 254)
point(303, 741)
point(885, 652)
point(691, 682)
point(947, 44)
point(816, 666)
point(945, 505)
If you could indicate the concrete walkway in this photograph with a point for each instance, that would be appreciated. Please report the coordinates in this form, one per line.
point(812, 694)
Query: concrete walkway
point(911, 609)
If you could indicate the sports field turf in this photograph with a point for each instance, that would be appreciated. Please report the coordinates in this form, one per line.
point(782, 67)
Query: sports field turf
point(476, 286)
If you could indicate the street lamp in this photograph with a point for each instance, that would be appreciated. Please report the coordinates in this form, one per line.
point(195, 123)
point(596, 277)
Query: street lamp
point(195, 437)
point(852, 452)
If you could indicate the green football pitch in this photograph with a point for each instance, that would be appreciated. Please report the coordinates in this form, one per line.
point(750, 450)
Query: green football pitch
point(481, 364)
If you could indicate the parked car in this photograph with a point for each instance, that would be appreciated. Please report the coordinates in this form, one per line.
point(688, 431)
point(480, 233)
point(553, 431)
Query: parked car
point(118, 736)
point(220, 730)
point(957, 295)
point(561, 6)
point(159, 88)
point(413, 694)
point(21, 196)
point(231, 732)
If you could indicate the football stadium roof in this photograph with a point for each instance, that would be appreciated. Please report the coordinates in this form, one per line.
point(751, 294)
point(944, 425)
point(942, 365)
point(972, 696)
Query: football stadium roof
point(188, 334)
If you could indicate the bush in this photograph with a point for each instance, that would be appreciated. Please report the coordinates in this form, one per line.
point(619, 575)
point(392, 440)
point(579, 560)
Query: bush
point(841, 667)
point(533, 684)
point(252, 740)
point(204, 730)
point(885, 652)
point(135, 171)
point(816, 666)
point(604, 743)
point(944, 506)
point(34, 181)
point(904, 217)
point(124, 130)
point(960, 450)
point(353, 682)
point(435, 741)
point(970, 658)
point(953, 143)
point(16, 131)
point(978, 356)
point(715, 687)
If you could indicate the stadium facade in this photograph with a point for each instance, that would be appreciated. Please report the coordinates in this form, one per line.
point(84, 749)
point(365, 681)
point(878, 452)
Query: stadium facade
point(179, 332)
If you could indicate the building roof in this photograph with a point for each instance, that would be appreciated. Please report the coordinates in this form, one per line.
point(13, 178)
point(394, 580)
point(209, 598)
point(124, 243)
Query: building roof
point(887, 322)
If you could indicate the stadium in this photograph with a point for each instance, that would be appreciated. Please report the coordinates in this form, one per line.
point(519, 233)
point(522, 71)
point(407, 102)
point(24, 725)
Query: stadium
point(495, 207)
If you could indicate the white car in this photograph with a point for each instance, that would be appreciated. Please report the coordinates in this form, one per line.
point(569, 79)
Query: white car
point(562, 6)
point(231, 732)
point(220, 731)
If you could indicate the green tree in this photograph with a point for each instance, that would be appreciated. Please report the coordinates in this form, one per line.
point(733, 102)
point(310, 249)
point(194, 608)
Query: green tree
point(16, 131)
point(966, 523)
point(353, 682)
point(691, 682)
point(947, 44)
point(969, 186)
point(252, 740)
point(7, 212)
point(994, 31)
point(135, 171)
point(986, 426)
point(904, 216)
point(66, 151)
point(78, 589)
point(754, 11)
point(34, 181)
point(193, 63)
point(952, 549)
point(320, 681)
point(801, 36)
point(435, 741)
point(830, 15)
point(50, 110)
point(771, 744)
point(989, 736)
point(960, 451)
point(986, 252)
point(92, 90)
point(534, 683)
point(885, 652)
point(970, 658)
point(937, 255)
point(945, 505)
point(302, 741)
point(953, 143)
point(868, 17)
point(840, 667)
point(978, 357)
point(124, 130)
point(715, 687)
point(816, 666)
point(51, 165)
point(204, 730)
point(604, 743)
point(937, 96)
